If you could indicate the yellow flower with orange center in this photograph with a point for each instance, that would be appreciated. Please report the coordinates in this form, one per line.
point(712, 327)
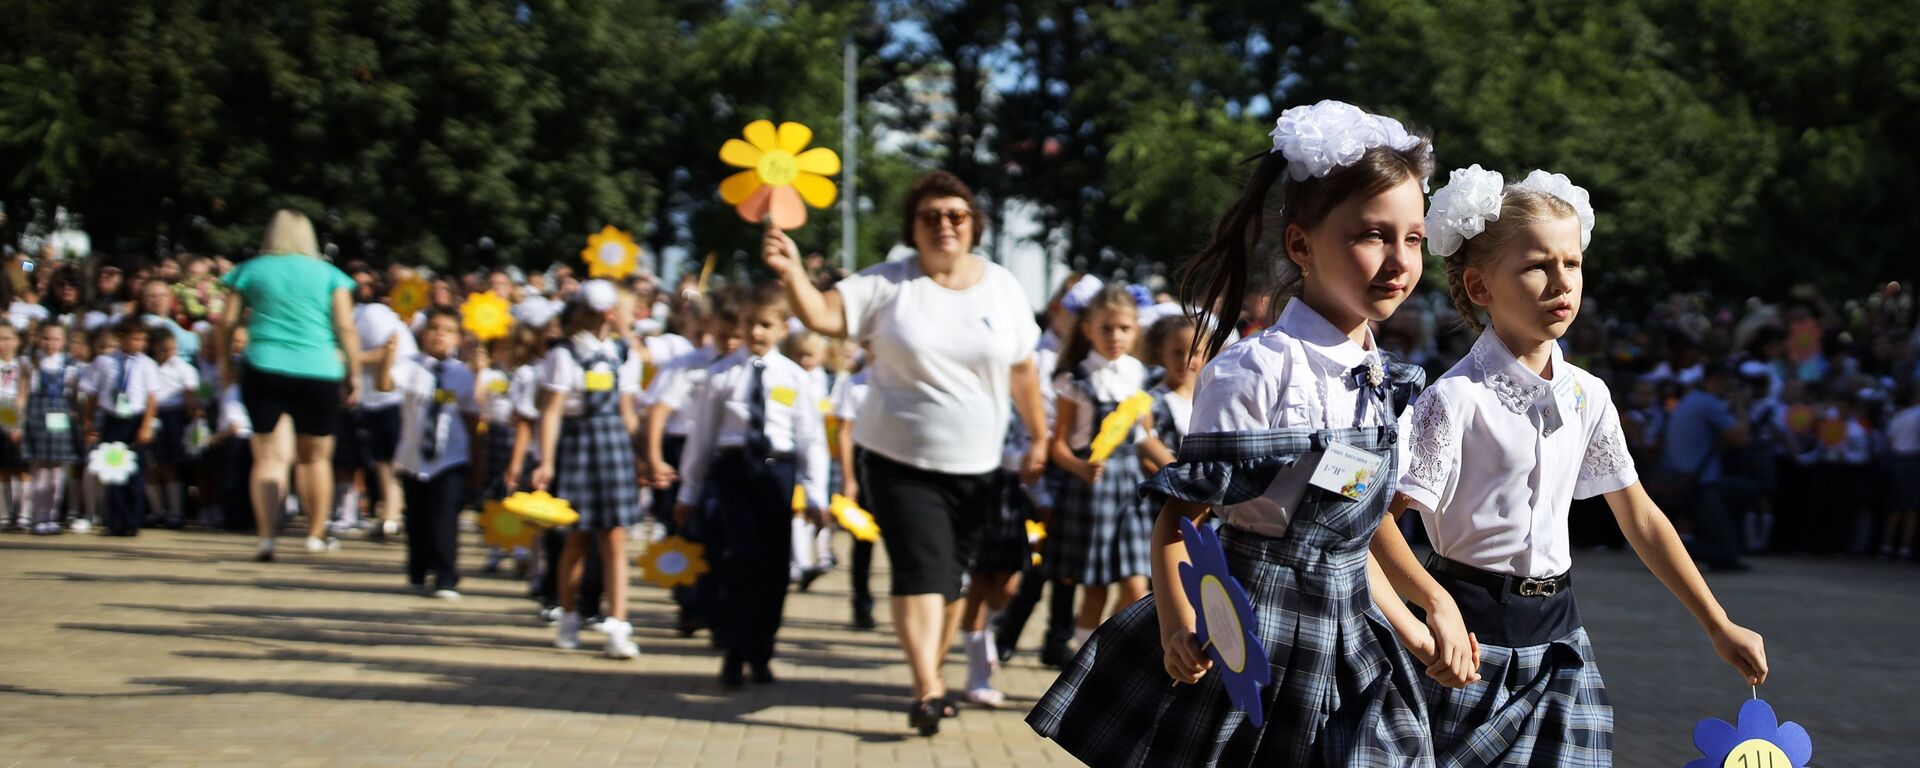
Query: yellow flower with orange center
point(673, 562)
point(783, 177)
point(486, 316)
point(611, 253)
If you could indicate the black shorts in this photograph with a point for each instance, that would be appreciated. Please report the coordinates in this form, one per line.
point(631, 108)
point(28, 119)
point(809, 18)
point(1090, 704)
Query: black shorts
point(929, 521)
point(380, 431)
point(314, 404)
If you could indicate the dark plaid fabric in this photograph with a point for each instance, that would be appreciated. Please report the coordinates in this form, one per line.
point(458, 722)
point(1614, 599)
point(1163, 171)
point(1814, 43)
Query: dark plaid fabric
point(1343, 692)
point(1100, 533)
point(593, 462)
point(169, 446)
point(1543, 705)
point(1164, 426)
point(1221, 469)
point(498, 454)
point(40, 445)
point(1003, 540)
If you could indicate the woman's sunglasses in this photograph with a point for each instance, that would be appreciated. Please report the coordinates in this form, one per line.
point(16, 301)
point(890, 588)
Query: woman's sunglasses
point(956, 218)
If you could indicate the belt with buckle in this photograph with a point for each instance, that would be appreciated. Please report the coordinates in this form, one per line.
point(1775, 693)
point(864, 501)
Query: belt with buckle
point(1502, 583)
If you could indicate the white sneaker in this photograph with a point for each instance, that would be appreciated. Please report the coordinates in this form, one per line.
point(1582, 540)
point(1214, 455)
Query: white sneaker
point(619, 639)
point(328, 544)
point(986, 697)
point(447, 595)
point(567, 637)
point(390, 527)
point(595, 623)
point(80, 525)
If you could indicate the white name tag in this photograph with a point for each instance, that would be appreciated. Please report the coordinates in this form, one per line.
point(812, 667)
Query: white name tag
point(58, 422)
point(1347, 471)
point(123, 407)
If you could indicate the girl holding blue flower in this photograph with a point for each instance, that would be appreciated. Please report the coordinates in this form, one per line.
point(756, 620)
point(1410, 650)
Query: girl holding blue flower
point(1500, 446)
point(1334, 212)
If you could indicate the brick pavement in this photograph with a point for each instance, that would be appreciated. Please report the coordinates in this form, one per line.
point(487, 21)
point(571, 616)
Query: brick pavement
point(175, 649)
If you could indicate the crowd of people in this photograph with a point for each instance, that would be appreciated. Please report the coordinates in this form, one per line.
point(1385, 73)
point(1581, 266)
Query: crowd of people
point(925, 389)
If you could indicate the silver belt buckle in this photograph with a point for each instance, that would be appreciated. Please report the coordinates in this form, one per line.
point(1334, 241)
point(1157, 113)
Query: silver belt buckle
point(1539, 588)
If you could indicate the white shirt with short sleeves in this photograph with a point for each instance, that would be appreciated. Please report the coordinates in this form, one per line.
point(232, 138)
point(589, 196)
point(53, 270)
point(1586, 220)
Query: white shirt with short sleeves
point(1498, 454)
point(420, 380)
point(176, 379)
point(1113, 380)
point(561, 371)
point(143, 381)
point(940, 397)
point(720, 407)
point(1293, 375)
point(375, 323)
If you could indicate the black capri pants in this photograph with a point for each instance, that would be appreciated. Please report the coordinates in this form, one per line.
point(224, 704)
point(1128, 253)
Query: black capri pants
point(314, 404)
point(929, 521)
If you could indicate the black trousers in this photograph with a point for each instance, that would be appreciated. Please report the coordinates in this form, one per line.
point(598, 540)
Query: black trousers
point(752, 502)
point(127, 502)
point(663, 503)
point(433, 526)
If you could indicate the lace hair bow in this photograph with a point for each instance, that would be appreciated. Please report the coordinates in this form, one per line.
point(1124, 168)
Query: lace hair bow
point(1473, 196)
point(1318, 138)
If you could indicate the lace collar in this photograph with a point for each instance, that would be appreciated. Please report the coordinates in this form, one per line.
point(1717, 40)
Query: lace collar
point(1517, 386)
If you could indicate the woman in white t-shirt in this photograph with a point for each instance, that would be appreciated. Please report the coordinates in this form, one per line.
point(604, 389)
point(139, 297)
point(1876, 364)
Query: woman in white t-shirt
point(953, 337)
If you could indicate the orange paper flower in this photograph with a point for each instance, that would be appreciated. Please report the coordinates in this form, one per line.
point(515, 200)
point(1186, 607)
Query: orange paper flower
point(408, 297)
point(781, 180)
point(611, 253)
point(486, 316)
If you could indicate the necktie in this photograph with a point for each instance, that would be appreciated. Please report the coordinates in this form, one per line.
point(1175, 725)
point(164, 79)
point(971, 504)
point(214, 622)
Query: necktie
point(757, 446)
point(430, 442)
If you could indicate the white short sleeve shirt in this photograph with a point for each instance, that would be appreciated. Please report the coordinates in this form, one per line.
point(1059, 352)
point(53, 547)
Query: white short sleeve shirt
point(1498, 454)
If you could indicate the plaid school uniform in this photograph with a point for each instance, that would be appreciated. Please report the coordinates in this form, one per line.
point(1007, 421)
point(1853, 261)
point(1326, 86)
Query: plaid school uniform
point(593, 461)
point(1100, 533)
point(1003, 538)
point(13, 373)
point(1536, 705)
point(1165, 426)
point(1343, 692)
point(497, 450)
point(49, 396)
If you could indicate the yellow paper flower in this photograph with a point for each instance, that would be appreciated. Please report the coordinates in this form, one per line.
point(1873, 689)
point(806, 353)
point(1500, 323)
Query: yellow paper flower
point(505, 530)
point(799, 499)
point(673, 562)
point(408, 297)
point(541, 508)
point(853, 519)
point(1036, 532)
point(611, 253)
point(486, 316)
point(781, 180)
point(1115, 428)
point(9, 416)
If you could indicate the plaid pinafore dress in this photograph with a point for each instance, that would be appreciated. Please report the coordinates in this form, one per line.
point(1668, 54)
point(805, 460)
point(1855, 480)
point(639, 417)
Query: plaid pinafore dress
point(1101, 533)
point(593, 459)
point(49, 396)
point(1343, 691)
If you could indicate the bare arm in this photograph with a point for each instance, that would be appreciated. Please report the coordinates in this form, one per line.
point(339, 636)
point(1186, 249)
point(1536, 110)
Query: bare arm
point(348, 339)
point(1065, 409)
point(1032, 407)
point(1653, 539)
point(1452, 659)
point(553, 406)
point(1181, 653)
point(659, 472)
point(1153, 454)
point(821, 312)
point(843, 452)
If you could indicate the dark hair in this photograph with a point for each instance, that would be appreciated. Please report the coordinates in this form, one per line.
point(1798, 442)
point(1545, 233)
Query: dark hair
point(131, 324)
point(767, 295)
point(937, 184)
point(433, 312)
point(1216, 279)
point(1113, 296)
point(725, 304)
point(1163, 331)
point(157, 335)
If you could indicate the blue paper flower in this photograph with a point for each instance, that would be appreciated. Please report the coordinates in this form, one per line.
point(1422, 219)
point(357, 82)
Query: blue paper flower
point(1224, 622)
point(1759, 741)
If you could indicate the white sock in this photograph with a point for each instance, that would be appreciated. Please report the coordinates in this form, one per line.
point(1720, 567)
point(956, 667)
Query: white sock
point(349, 506)
point(45, 495)
point(1080, 635)
point(979, 660)
point(802, 544)
point(822, 546)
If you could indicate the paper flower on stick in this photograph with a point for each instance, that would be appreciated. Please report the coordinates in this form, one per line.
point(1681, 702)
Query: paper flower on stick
point(1115, 428)
point(673, 562)
point(506, 530)
point(611, 253)
point(853, 519)
point(408, 297)
point(9, 416)
point(113, 463)
point(486, 316)
point(1223, 620)
point(781, 180)
point(1759, 741)
point(541, 508)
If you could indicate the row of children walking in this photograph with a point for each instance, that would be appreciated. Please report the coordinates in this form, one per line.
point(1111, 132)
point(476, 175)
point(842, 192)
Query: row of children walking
point(1490, 665)
point(63, 395)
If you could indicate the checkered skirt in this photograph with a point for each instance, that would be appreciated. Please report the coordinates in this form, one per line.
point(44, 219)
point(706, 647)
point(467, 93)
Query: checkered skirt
point(594, 471)
point(1342, 693)
point(1003, 539)
point(40, 445)
point(498, 453)
point(1101, 533)
point(1542, 705)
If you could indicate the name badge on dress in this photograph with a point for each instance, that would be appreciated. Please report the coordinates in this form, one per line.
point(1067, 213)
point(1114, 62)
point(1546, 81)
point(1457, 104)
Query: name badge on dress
point(498, 386)
point(443, 396)
point(58, 421)
point(1347, 470)
point(123, 407)
point(599, 381)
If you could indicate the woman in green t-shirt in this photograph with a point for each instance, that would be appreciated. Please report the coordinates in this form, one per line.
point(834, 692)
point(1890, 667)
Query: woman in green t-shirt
point(300, 357)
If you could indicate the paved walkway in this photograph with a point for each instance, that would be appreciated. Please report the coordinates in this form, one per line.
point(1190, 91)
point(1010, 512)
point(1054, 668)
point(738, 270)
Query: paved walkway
point(175, 649)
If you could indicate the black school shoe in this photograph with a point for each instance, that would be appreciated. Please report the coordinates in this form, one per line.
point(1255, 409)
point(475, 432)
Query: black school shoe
point(732, 674)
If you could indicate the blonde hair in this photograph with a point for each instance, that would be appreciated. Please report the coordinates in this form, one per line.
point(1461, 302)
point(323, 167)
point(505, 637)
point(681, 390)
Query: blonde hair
point(1519, 209)
point(290, 232)
point(796, 344)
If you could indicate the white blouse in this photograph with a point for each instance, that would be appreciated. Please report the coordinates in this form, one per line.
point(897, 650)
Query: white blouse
point(1113, 380)
point(1499, 454)
point(721, 409)
point(561, 371)
point(1293, 375)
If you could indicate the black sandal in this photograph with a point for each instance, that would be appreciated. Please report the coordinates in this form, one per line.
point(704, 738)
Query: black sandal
point(924, 716)
point(948, 707)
